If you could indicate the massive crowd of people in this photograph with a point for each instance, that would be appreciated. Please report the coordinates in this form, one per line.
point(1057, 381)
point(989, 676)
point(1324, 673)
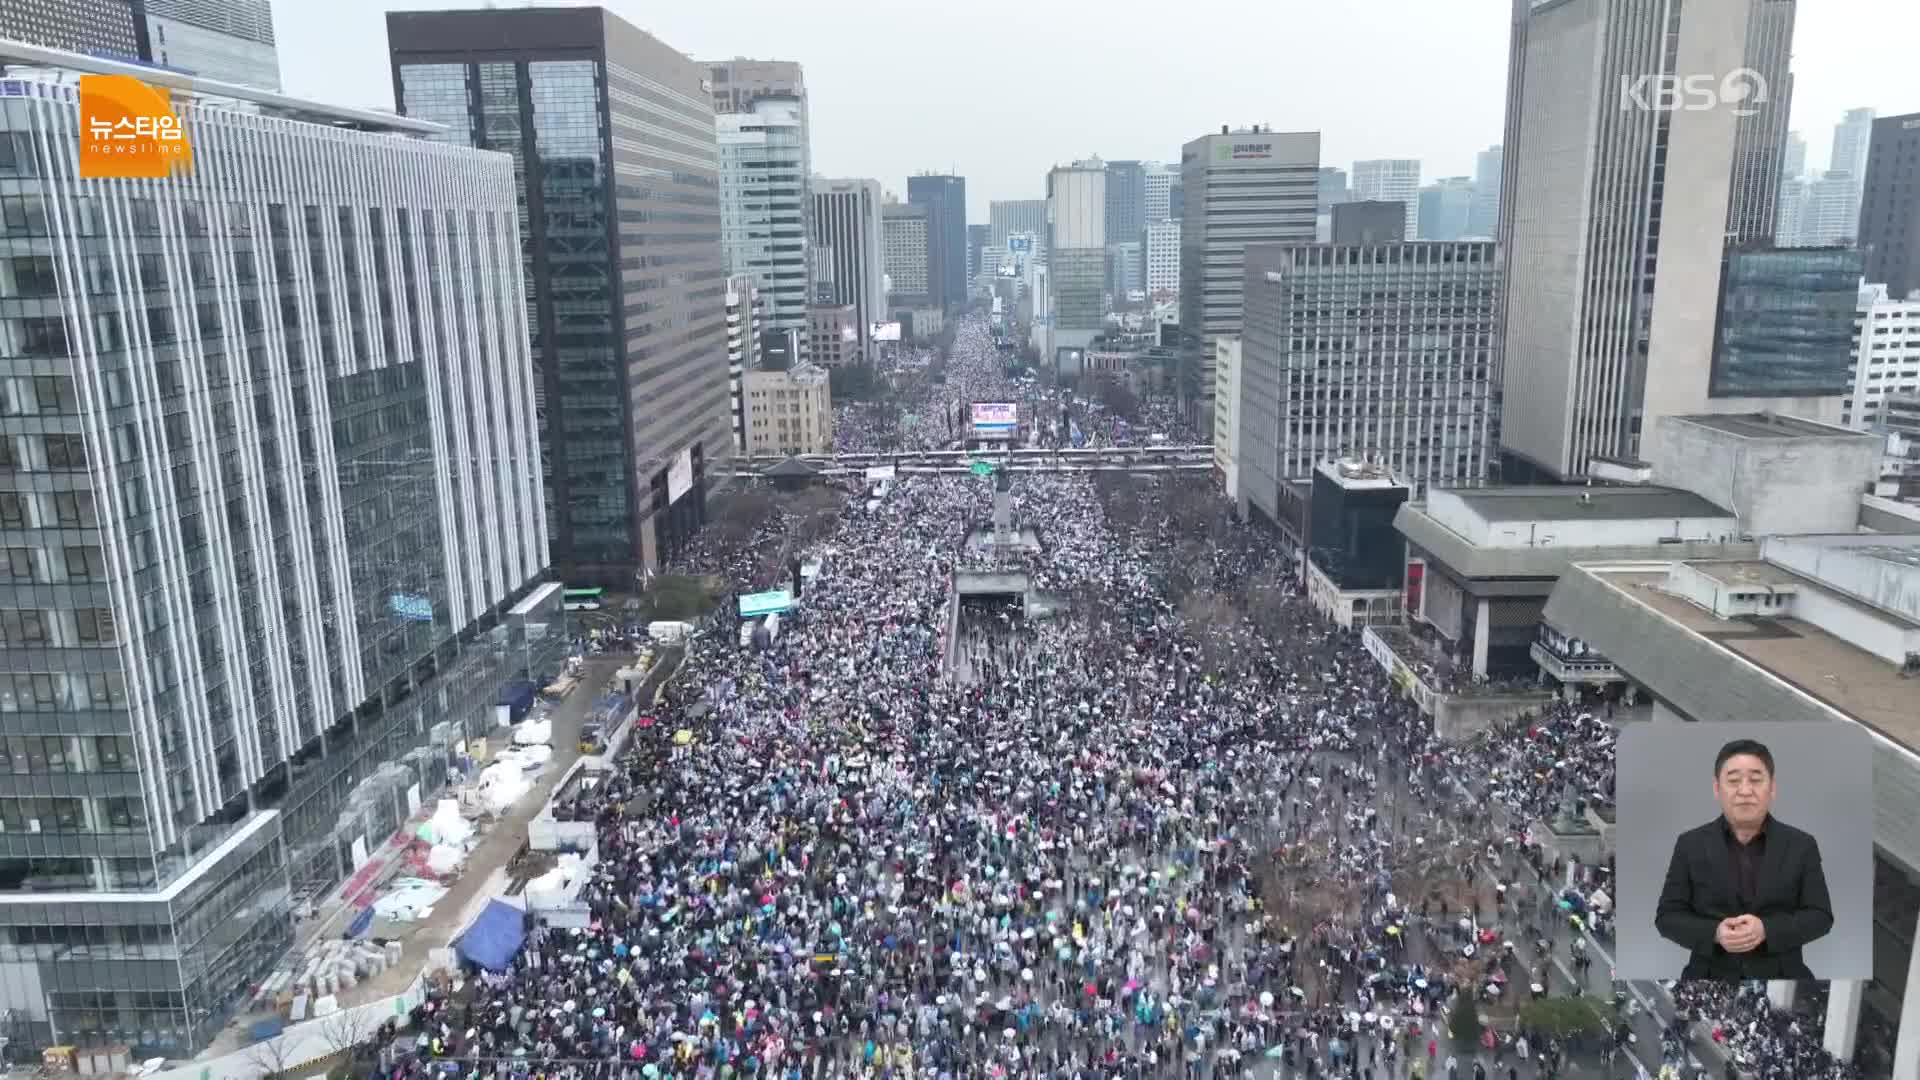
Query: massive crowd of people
point(915, 837)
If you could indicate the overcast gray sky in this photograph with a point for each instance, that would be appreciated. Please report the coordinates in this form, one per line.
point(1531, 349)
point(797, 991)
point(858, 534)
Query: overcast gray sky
point(1000, 90)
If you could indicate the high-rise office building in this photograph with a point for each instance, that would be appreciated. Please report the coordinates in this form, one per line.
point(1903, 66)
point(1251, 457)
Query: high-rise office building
point(1157, 188)
point(1008, 216)
point(1248, 187)
point(945, 198)
point(612, 135)
point(976, 251)
point(1126, 200)
point(743, 349)
point(107, 28)
point(1160, 245)
point(1361, 352)
point(1126, 269)
point(1332, 190)
point(1823, 212)
point(224, 40)
point(1760, 138)
point(1445, 206)
point(1852, 141)
point(266, 510)
point(737, 83)
point(1177, 197)
point(906, 252)
point(847, 234)
point(1889, 233)
point(1786, 327)
point(1370, 223)
point(1077, 265)
point(1483, 218)
point(1793, 162)
point(766, 207)
point(1390, 180)
point(1886, 354)
point(1638, 340)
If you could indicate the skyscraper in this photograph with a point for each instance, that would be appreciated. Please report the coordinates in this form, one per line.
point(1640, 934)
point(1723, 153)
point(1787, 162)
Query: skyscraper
point(1852, 141)
point(906, 249)
point(1332, 189)
point(1251, 186)
point(1483, 218)
point(1793, 163)
point(1160, 252)
point(1126, 200)
point(612, 134)
point(976, 251)
point(737, 83)
point(1760, 138)
point(264, 522)
point(229, 41)
point(1077, 264)
point(743, 349)
point(1889, 231)
point(1008, 216)
point(1377, 352)
point(1157, 185)
point(945, 198)
point(766, 211)
point(1390, 180)
point(1593, 217)
point(109, 28)
point(847, 233)
point(1445, 206)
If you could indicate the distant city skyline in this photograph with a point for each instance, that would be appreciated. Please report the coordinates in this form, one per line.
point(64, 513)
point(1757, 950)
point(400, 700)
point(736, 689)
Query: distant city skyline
point(889, 113)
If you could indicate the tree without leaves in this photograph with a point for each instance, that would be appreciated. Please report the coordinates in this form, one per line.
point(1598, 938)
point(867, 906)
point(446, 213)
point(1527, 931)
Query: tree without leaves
point(347, 1029)
point(274, 1058)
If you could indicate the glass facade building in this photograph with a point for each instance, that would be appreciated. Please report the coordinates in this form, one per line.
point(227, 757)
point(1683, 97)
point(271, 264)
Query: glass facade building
point(617, 180)
point(114, 28)
point(766, 208)
point(1787, 323)
point(266, 486)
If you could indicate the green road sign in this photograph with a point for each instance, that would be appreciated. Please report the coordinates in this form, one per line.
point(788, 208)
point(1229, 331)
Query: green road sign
point(982, 468)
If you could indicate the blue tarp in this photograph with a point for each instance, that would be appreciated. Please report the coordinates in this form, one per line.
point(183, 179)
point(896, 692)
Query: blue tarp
point(494, 937)
point(518, 698)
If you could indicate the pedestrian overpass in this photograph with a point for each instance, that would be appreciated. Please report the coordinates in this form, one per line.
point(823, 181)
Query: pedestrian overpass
point(1131, 459)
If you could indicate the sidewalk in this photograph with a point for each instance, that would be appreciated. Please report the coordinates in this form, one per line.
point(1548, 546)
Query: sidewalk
point(485, 874)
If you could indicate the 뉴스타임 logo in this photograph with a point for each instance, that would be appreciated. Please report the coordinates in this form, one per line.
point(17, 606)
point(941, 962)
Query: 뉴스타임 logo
point(128, 129)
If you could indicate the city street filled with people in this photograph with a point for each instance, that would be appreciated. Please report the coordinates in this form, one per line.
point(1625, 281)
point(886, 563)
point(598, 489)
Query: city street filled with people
point(1146, 832)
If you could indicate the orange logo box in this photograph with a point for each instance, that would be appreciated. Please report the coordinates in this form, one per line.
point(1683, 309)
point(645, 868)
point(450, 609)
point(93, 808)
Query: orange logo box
point(128, 129)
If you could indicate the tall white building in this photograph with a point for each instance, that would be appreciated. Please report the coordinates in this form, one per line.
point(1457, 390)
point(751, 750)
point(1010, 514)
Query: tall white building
point(1483, 218)
point(1391, 180)
point(1160, 180)
point(1077, 254)
point(766, 207)
point(1163, 257)
point(849, 263)
point(1613, 252)
point(1824, 210)
point(1886, 354)
point(1852, 137)
point(1251, 186)
point(743, 348)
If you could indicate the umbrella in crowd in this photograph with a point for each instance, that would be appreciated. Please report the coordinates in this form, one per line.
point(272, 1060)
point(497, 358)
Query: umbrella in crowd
point(1125, 839)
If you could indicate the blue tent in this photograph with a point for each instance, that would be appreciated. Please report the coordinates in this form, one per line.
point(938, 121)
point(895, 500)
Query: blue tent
point(494, 937)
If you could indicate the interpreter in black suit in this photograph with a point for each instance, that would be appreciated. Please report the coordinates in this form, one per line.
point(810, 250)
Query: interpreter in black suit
point(1744, 892)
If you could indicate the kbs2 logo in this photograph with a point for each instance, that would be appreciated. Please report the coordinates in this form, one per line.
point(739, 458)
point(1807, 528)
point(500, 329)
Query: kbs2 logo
point(128, 129)
point(1742, 91)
